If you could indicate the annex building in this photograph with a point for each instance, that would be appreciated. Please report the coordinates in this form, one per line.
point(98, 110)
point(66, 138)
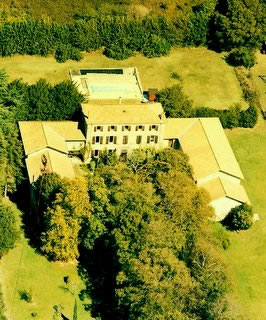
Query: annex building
point(117, 117)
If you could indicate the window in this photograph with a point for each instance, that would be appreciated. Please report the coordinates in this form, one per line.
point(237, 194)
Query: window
point(126, 128)
point(139, 128)
point(95, 153)
point(125, 139)
point(138, 139)
point(111, 139)
point(154, 127)
point(152, 139)
point(97, 139)
point(123, 154)
point(98, 128)
point(112, 128)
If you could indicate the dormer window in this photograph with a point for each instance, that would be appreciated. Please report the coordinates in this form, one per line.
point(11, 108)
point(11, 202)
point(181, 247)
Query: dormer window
point(154, 127)
point(98, 128)
point(140, 128)
point(112, 128)
point(126, 128)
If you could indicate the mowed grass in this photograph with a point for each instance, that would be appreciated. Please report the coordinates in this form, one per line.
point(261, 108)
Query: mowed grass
point(23, 269)
point(207, 79)
point(247, 254)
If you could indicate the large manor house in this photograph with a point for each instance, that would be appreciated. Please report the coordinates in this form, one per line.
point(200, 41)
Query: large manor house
point(119, 117)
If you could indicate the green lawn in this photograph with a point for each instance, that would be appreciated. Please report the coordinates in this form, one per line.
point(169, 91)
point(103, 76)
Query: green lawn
point(23, 269)
point(247, 254)
point(208, 80)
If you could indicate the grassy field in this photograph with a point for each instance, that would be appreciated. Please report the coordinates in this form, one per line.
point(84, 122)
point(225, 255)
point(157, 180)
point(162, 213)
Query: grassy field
point(247, 254)
point(208, 80)
point(23, 269)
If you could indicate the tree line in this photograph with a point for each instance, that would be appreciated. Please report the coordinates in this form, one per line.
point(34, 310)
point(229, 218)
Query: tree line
point(220, 25)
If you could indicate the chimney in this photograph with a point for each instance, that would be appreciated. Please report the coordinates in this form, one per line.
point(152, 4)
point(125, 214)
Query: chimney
point(152, 94)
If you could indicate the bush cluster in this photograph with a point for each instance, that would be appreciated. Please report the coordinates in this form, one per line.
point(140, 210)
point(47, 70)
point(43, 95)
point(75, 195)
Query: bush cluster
point(242, 57)
point(231, 118)
point(65, 52)
point(239, 218)
point(177, 105)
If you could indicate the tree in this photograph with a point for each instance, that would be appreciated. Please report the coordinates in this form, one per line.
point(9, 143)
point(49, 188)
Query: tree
point(242, 57)
point(9, 232)
point(66, 101)
point(46, 187)
point(240, 24)
point(119, 51)
point(239, 218)
point(175, 103)
point(183, 203)
point(155, 46)
point(156, 285)
point(63, 220)
point(60, 240)
point(10, 153)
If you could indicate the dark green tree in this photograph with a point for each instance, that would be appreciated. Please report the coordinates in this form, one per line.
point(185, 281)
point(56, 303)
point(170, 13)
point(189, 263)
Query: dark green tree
point(10, 152)
point(239, 218)
point(175, 103)
point(9, 232)
point(242, 57)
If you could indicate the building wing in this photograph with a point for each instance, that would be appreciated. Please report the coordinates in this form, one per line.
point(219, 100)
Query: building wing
point(205, 142)
point(48, 140)
point(37, 135)
point(219, 188)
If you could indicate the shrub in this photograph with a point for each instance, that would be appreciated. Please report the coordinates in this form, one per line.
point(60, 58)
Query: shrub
point(249, 117)
point(242, 57)
point(156, 47)
point(175, 102)
point(65, 52)
point(9, 233)
point(118, 51)
point(26, 296)
point(62, 53)
point(177, 76)
point(75, 54)
point(232, 117)
point(239, 218)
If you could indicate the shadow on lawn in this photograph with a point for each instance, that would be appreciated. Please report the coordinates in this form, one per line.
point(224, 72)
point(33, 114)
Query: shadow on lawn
point(98, 269)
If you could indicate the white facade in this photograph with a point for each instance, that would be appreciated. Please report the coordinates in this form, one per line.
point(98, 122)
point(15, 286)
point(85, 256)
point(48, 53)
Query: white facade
point(222, 206)
point(123, 139)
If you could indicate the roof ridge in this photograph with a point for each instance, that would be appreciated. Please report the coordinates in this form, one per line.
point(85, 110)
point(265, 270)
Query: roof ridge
point(221, 183)
point(44, 133)
point(210, 145)
point(50, 160)
point(189, 127)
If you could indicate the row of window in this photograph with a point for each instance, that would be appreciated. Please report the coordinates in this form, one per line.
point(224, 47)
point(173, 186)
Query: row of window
point(127, 128)
point(97, 153)
point(113, 139)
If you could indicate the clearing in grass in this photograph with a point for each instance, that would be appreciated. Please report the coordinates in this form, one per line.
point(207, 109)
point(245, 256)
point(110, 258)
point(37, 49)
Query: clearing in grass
point(207, 79)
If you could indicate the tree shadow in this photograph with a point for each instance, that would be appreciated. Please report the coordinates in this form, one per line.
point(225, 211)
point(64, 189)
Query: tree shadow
point(98, 269)
point(28, 219)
